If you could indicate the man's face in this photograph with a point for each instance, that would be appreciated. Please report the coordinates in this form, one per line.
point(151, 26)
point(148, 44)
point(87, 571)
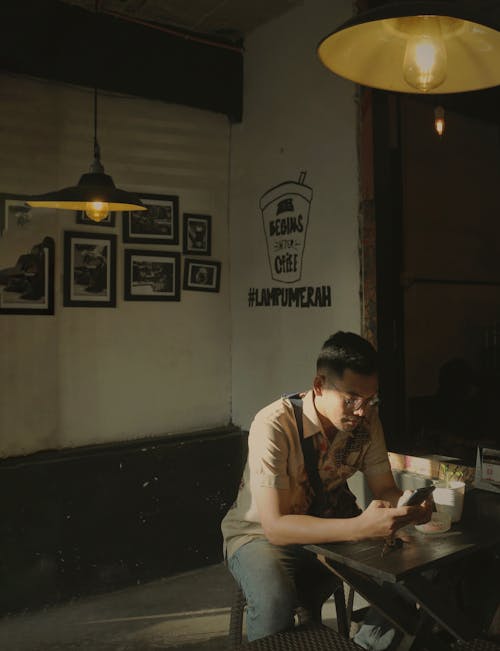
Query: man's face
point(344, 401)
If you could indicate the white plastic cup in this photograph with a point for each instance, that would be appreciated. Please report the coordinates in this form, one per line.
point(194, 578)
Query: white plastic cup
point(450, 498)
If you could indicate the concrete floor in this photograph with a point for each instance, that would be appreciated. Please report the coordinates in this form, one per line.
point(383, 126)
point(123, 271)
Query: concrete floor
point(189, 612)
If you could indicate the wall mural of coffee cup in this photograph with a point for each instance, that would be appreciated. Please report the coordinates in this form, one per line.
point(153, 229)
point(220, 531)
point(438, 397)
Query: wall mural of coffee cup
point(285, 215)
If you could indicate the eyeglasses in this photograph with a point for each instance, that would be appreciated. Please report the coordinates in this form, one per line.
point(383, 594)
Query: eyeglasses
point(357, 403)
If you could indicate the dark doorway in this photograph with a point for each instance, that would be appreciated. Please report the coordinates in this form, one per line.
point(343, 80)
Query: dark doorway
point(438, 273)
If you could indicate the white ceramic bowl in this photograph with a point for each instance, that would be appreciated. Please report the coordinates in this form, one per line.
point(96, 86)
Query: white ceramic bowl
point(439, 523)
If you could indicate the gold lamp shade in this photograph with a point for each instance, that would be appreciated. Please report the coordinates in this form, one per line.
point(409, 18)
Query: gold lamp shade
point(415, 47)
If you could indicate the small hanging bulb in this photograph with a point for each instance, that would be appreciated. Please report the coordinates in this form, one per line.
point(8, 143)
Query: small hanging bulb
point(439, 123)
point(97, 210)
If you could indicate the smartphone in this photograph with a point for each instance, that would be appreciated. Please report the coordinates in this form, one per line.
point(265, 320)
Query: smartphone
point(418, 496)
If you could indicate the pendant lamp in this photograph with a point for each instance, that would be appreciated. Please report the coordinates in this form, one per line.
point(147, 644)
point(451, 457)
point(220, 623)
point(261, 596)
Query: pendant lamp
point(416, 47)
point(96, 193)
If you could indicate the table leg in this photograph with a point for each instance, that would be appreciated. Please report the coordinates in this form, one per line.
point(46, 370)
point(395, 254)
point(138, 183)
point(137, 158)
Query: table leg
point(350, 604)
point(399, 614)
point(416, 625)
point(342, 621)
point(436, 602)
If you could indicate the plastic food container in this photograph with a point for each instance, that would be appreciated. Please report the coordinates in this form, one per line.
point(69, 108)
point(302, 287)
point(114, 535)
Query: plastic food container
point(439, 523)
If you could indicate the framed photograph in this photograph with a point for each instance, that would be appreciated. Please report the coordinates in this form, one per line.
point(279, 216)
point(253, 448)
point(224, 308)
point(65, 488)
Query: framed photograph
point(152, 276)
point(14, 213)
point(201, 275)
point(159, 224)
point(109, 221)
point(28, 286)
point(196, 234)
point(89, 270)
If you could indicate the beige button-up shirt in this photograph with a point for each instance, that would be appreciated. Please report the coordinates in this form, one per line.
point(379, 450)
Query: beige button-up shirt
point(275, 459)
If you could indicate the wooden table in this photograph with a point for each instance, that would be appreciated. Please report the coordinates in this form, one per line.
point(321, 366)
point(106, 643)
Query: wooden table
point(361, 566)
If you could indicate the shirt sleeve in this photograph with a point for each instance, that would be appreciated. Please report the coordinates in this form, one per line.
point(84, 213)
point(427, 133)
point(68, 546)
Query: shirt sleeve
point(268, 450)
point(376, 459)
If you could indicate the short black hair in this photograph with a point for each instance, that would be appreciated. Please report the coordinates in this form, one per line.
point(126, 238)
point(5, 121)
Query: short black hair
point(346, 350)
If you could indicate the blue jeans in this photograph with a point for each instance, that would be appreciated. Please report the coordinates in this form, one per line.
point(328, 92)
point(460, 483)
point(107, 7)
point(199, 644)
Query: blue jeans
point(276, 580)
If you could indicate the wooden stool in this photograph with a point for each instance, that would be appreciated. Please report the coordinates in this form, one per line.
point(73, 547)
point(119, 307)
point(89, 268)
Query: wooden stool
point(312, 637)
point(238, 607)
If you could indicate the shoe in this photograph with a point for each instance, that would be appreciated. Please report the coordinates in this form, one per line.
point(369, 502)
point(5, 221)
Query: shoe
point(374, 638)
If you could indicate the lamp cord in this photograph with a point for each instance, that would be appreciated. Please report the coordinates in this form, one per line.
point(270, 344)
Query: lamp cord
point(97, 153)
point(96, 166)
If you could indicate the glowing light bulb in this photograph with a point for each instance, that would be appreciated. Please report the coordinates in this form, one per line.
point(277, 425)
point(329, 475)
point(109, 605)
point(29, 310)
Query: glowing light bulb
point(425, 59)
point(97, 210)
point(439, 123)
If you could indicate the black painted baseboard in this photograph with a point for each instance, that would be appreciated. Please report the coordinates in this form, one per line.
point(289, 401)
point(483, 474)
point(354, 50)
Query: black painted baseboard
point(89, 520)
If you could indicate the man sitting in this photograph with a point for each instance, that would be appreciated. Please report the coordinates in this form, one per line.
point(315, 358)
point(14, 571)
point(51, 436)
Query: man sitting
point(302, 449)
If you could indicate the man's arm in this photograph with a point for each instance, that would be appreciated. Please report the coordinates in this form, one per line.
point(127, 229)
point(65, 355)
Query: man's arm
point(283, 528)
point(384, 487)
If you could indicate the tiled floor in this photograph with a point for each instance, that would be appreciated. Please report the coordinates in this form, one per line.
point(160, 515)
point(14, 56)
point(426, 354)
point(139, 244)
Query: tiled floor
point(189, 611)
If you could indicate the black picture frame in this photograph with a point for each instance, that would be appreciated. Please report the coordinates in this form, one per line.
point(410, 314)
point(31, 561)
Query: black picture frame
point(152, 275)
point(89, 278)
point(28, 287)
point(201, 275)
point(157, 225)
point(197, 234)
point(8, 205)
point(107, 222)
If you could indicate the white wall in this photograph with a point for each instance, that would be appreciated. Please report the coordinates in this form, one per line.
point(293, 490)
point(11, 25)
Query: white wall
point(89, 375)
point(297, 116)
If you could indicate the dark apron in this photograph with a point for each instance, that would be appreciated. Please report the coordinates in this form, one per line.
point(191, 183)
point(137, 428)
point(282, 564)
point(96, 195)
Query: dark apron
point(339, 503)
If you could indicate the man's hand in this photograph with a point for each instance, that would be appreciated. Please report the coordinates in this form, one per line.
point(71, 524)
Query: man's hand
point(379, 520)
point(424, 510)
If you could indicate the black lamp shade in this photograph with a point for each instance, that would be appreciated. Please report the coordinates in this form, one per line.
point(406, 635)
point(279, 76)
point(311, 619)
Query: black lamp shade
point(92, 187)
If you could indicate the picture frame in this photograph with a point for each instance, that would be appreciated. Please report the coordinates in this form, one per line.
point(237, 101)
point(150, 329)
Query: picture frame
point(201, 275)
point(28, 286)
point(159, 224)
point(152, 275)
point(197, 234)
point(109, 221)
point(14, 211)
point(89, 278)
